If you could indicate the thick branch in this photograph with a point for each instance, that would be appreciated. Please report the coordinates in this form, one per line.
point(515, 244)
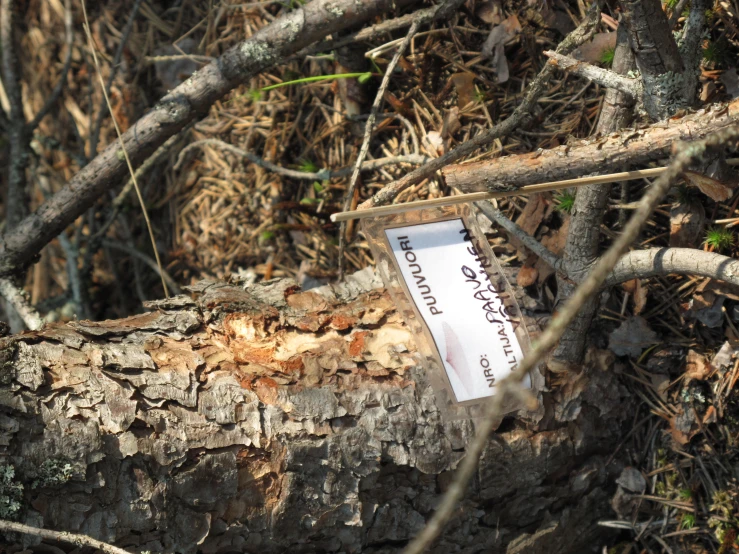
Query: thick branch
point(600, 76)
point(61, 536)
point(612, 153)
point(294, 30)
point(641, 264)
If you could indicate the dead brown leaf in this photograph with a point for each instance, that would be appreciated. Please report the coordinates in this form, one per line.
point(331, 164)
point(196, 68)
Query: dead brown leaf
point(464, 84)
point(554, 240)
point(683, 426)
point(490, 12)
point(638, 294)
point(696, 366)
point(592, 52)
point(632, 337)
point(527, 275)
point(687, 221)
point(494, 45)
point(716, 190)
point(710, 415)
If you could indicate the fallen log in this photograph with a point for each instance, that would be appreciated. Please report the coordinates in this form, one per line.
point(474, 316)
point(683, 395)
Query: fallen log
point(275, 420)
point(598, 155)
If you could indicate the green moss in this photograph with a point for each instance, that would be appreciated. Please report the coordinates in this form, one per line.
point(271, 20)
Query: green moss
point(606, 57)
point(719, 238)
point(565, 201)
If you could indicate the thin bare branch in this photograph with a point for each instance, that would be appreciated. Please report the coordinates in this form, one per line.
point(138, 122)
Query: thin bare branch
point(61, 536)
point(147, 260)
point(51, 100)
point(621, 149)
point(600, 76)
point(123, 149)
point(95, 135)
point(368, 127)
point(496, 216)
point(641, 264)
point(292, 173)
point(592, 283)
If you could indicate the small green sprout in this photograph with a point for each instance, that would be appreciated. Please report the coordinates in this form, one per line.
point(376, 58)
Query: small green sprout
point(687, 521)
point(566, 200)
point(310, 201)
point(719, 238)
point(671, 4)
point(606, 57)
point(308, 166)
point(479, 96)
point(685, 494)
point(266, 235)
point(317, 187)
point(255, 95)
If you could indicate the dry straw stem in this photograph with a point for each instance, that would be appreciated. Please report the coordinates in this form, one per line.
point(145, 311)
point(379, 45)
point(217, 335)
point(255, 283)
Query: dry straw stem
point(123, 148)
point(514, 191)
point(61, 536)
point(592, 283)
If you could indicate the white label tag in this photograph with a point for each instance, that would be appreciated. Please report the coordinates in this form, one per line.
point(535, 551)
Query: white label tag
point(462, 309)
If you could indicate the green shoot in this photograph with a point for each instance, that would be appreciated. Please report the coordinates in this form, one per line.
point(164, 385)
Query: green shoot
point(671, 4)
point(606, 57)
point(308, 166)
point(266, 235)
point(687, 521)
point(719, 238)
point(685, 494)
point(318, 78)
point(256, 94)
point(565, 201)
point(310, 201)
point(479, 96)
point(318, 187)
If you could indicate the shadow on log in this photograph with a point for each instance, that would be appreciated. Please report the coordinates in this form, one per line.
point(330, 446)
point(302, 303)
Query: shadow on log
point(277, 420)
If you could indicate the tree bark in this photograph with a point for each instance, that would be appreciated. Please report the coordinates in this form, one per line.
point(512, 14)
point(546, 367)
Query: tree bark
point(276, 420)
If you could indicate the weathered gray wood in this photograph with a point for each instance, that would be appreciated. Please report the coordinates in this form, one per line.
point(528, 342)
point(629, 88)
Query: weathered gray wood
point(277, 420)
